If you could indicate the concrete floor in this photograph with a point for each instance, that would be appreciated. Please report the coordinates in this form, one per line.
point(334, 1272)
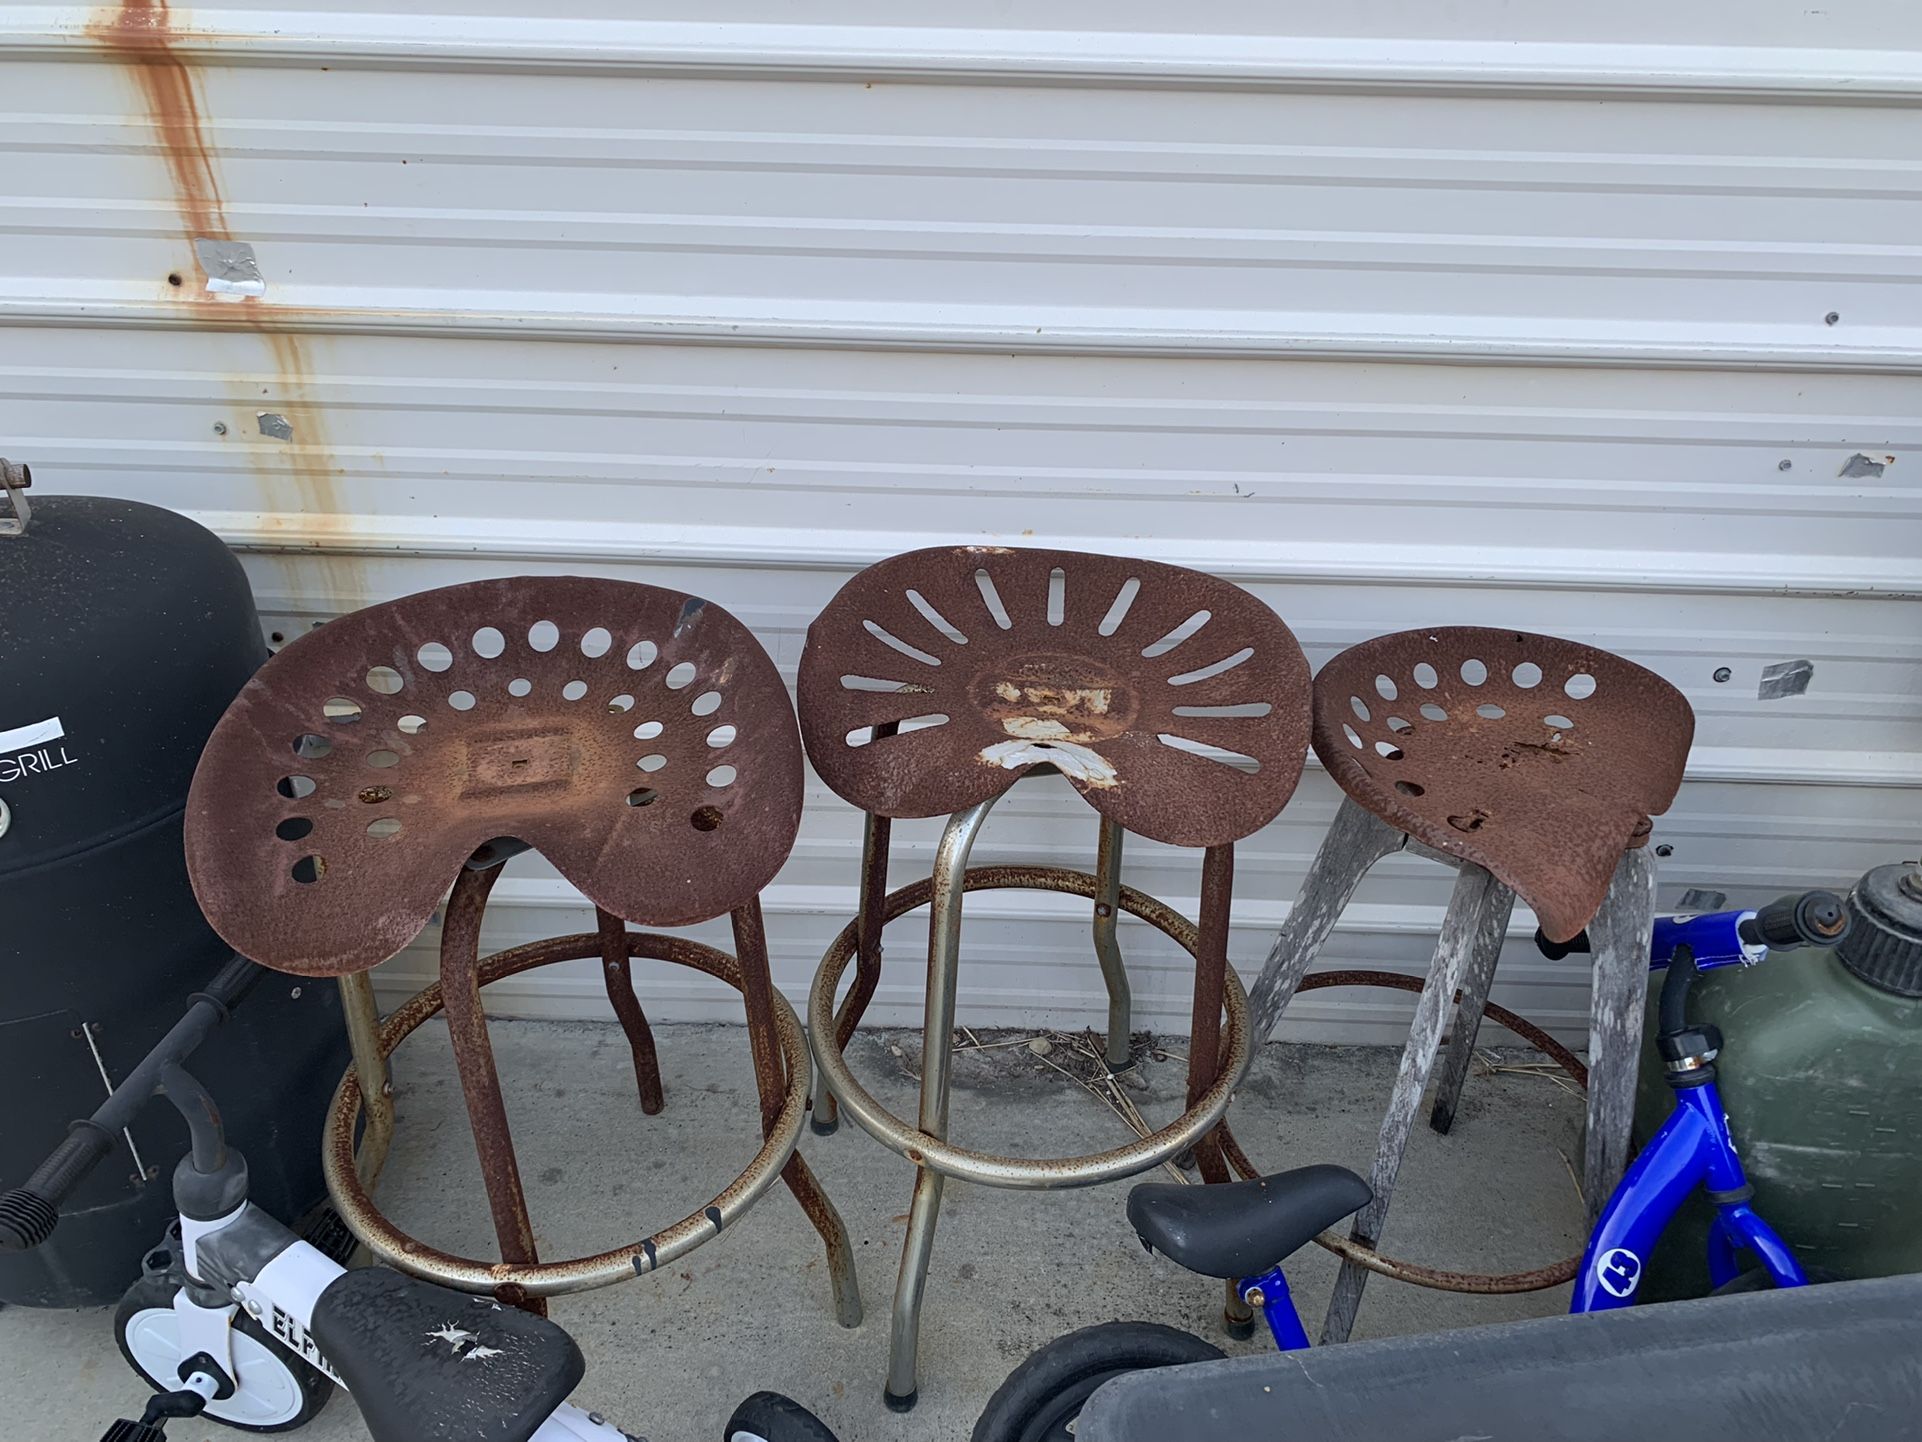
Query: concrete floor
point(669, 1355)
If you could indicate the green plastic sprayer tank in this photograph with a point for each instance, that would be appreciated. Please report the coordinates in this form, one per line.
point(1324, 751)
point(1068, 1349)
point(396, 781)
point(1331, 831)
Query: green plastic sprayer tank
point(1821, 1073)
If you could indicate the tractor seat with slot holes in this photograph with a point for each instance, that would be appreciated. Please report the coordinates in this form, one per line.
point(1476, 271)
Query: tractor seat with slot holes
point(1174, 702)
point(638, 738)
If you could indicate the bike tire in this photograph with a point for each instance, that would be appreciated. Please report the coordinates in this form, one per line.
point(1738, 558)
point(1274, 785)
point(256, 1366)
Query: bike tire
point(155, 1292)
point(770, 1417)
point(1043, 1396)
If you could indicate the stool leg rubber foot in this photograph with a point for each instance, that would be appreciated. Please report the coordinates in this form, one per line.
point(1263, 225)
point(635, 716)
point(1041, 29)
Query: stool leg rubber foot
point(900, 1404)
point(1240, 1331)
point(823, 1128)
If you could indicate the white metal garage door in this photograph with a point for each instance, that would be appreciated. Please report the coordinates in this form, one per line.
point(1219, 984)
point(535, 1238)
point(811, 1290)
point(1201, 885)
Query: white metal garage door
point(1602, 321)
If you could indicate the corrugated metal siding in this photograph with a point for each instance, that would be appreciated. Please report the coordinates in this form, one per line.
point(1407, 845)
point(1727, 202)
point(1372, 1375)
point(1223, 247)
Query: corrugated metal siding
point(1399, 317)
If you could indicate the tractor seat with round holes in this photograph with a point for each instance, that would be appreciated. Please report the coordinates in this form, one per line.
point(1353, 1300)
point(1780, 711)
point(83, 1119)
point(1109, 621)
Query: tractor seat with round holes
point(1540, 760)
point(638, 738)
point(1176, 703)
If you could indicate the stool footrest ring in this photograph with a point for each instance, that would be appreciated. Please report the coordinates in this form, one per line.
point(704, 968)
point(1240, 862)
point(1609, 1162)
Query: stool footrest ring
point(548, 1279)
point(1487, 1284)
point(997, 1171)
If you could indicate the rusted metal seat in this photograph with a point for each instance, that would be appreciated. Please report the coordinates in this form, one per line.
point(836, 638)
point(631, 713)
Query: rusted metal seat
point(1535, 766)
point(1175, 703)
point(638, 738)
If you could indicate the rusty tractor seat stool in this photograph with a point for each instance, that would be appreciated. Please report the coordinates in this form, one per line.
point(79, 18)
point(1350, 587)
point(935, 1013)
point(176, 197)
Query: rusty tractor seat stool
point(638, 738)
point(1533, 765)
point(1175, 703)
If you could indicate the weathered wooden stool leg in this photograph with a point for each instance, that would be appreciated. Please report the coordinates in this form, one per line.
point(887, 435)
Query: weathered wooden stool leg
point(1469, 1005)
point(1107, 947)
point(616, 972)
point(937, 1051)
point(1477, 921)
point(875, 837)
point(1356, 840)
point(1619, 935)
point(771, 1078)
point(479, 1080)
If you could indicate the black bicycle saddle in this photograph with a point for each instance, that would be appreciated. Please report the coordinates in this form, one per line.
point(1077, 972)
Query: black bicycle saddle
point(428, 1364)
point(1241, 1229)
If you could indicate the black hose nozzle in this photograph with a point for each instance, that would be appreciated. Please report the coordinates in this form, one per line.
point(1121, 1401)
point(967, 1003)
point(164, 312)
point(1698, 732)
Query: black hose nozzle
point(1809, 918)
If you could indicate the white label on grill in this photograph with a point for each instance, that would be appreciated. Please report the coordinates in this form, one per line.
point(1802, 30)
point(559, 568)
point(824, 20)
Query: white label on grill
point(40, 732)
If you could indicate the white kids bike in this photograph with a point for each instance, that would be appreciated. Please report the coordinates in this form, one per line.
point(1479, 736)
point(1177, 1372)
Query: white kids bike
point(239, 1320)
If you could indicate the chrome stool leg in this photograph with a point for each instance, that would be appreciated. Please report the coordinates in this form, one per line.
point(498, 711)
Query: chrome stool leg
point(921, 1143)
point(904, 1331)
point(937, 1051)
point(362, 1017)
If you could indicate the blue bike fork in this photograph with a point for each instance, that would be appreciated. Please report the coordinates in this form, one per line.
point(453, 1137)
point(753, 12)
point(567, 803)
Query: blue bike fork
point(1278, 1307)
point(1692, 1149)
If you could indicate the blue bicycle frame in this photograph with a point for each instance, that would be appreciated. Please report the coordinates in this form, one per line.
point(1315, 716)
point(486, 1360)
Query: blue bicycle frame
point(1692, 1149)
point(1270, 1289)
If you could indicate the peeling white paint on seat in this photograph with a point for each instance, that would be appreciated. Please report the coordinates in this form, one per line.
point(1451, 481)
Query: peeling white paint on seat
point(1079, 763)
point(1036, 728)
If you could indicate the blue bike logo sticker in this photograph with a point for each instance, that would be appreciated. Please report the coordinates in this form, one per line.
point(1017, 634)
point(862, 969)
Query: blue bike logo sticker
point(1619, 1271)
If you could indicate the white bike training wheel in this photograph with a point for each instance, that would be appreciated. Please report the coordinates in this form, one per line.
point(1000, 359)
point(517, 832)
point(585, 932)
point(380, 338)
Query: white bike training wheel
point(274, 1392)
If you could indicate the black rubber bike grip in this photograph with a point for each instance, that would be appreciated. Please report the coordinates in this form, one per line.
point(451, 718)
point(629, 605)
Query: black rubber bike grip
point(28, 1214)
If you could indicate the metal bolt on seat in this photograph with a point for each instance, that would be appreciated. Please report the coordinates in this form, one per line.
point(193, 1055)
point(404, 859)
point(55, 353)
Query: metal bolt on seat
point(1175, 703)
point(638, 738)
point(1534, 765)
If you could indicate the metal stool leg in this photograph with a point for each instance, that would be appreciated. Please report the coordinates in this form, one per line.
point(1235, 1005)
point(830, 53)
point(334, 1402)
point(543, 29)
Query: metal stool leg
point(362, 1017)
point(479, 1081)
point(1355, 842)
point(1204, 1036)
point(617, 973)
point(1469, 1005)
point(771, 1076)
point(1477, 921)
point(1619, 933)
point(875, 837)
point(904, 1332)
point(937, 1051)
point(1114, 971)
